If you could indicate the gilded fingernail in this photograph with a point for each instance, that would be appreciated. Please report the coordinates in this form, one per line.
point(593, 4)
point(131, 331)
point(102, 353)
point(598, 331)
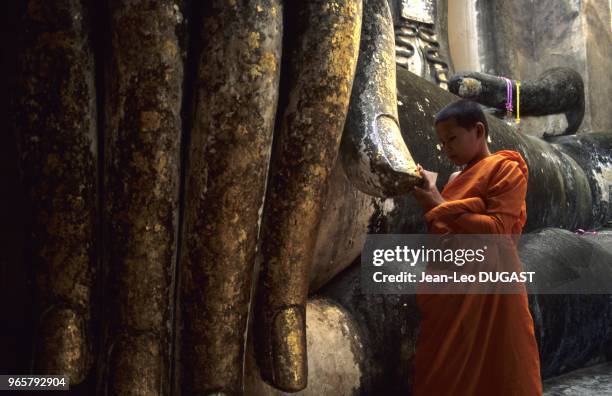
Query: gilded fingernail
point(62, 345)
point(289, 349)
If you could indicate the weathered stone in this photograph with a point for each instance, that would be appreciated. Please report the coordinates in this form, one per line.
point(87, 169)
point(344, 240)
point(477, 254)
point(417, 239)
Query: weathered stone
point(557, 90)
point(375, 157)
point(593, 380)
point(569, 187)
point(56, 122)
point(573, 330)
point(592, 152)
point(335, 352)
point(421, 38)
point(321, 70)
point(143, 93)
point(523, 38)
point(237, 92)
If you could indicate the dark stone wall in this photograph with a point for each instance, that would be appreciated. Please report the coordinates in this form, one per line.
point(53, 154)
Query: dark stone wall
point(14, 293)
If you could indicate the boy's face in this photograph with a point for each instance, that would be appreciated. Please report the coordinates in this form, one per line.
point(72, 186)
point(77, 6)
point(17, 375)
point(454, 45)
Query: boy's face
point(459, 144)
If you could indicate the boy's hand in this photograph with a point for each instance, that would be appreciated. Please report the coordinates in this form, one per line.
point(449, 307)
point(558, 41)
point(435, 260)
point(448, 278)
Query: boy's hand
point(428, 195)
point(429, 178)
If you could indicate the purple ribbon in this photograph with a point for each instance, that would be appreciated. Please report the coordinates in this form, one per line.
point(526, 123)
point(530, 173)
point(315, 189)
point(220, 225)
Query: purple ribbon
point(508, 94)
point(580, 231)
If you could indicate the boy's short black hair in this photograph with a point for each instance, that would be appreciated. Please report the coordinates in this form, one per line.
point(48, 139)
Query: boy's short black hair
point(465, 112)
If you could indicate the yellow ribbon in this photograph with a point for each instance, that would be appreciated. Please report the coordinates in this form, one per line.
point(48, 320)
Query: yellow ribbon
point(518, 101)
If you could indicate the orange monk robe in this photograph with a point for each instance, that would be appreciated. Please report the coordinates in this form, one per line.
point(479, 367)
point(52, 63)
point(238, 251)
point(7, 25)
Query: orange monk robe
point(479, 344)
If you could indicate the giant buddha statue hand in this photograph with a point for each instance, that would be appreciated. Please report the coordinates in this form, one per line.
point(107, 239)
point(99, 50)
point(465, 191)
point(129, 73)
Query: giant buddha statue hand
point(150, 133)
point(559, 90)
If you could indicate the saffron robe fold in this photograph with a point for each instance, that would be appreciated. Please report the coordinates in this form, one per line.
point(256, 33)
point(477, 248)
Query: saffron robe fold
point(479, 344)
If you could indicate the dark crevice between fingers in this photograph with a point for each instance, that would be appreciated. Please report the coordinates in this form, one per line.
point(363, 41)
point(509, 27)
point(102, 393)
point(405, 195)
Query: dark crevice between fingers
point(190, 39)
point(99, 22)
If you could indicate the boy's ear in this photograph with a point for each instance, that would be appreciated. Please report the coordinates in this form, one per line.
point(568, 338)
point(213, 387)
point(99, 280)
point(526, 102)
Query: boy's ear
point(481, 131)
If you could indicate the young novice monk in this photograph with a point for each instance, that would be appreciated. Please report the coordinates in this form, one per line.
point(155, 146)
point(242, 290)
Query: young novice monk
point(475, 344)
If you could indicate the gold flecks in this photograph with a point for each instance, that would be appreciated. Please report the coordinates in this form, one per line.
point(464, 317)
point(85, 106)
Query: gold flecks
point(170, 50)
point(144, 126)
point(253, 40)
point(326, 65)
point(150, 120)
point(290, 348)
point(241, 130)
point(242, 235)
point(226, 181)
point(344, 41)
point(268, 62)
point(266, 67)
point(162, 161)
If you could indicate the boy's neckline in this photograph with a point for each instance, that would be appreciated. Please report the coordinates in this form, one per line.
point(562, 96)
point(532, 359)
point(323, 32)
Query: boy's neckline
point(475, 163)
